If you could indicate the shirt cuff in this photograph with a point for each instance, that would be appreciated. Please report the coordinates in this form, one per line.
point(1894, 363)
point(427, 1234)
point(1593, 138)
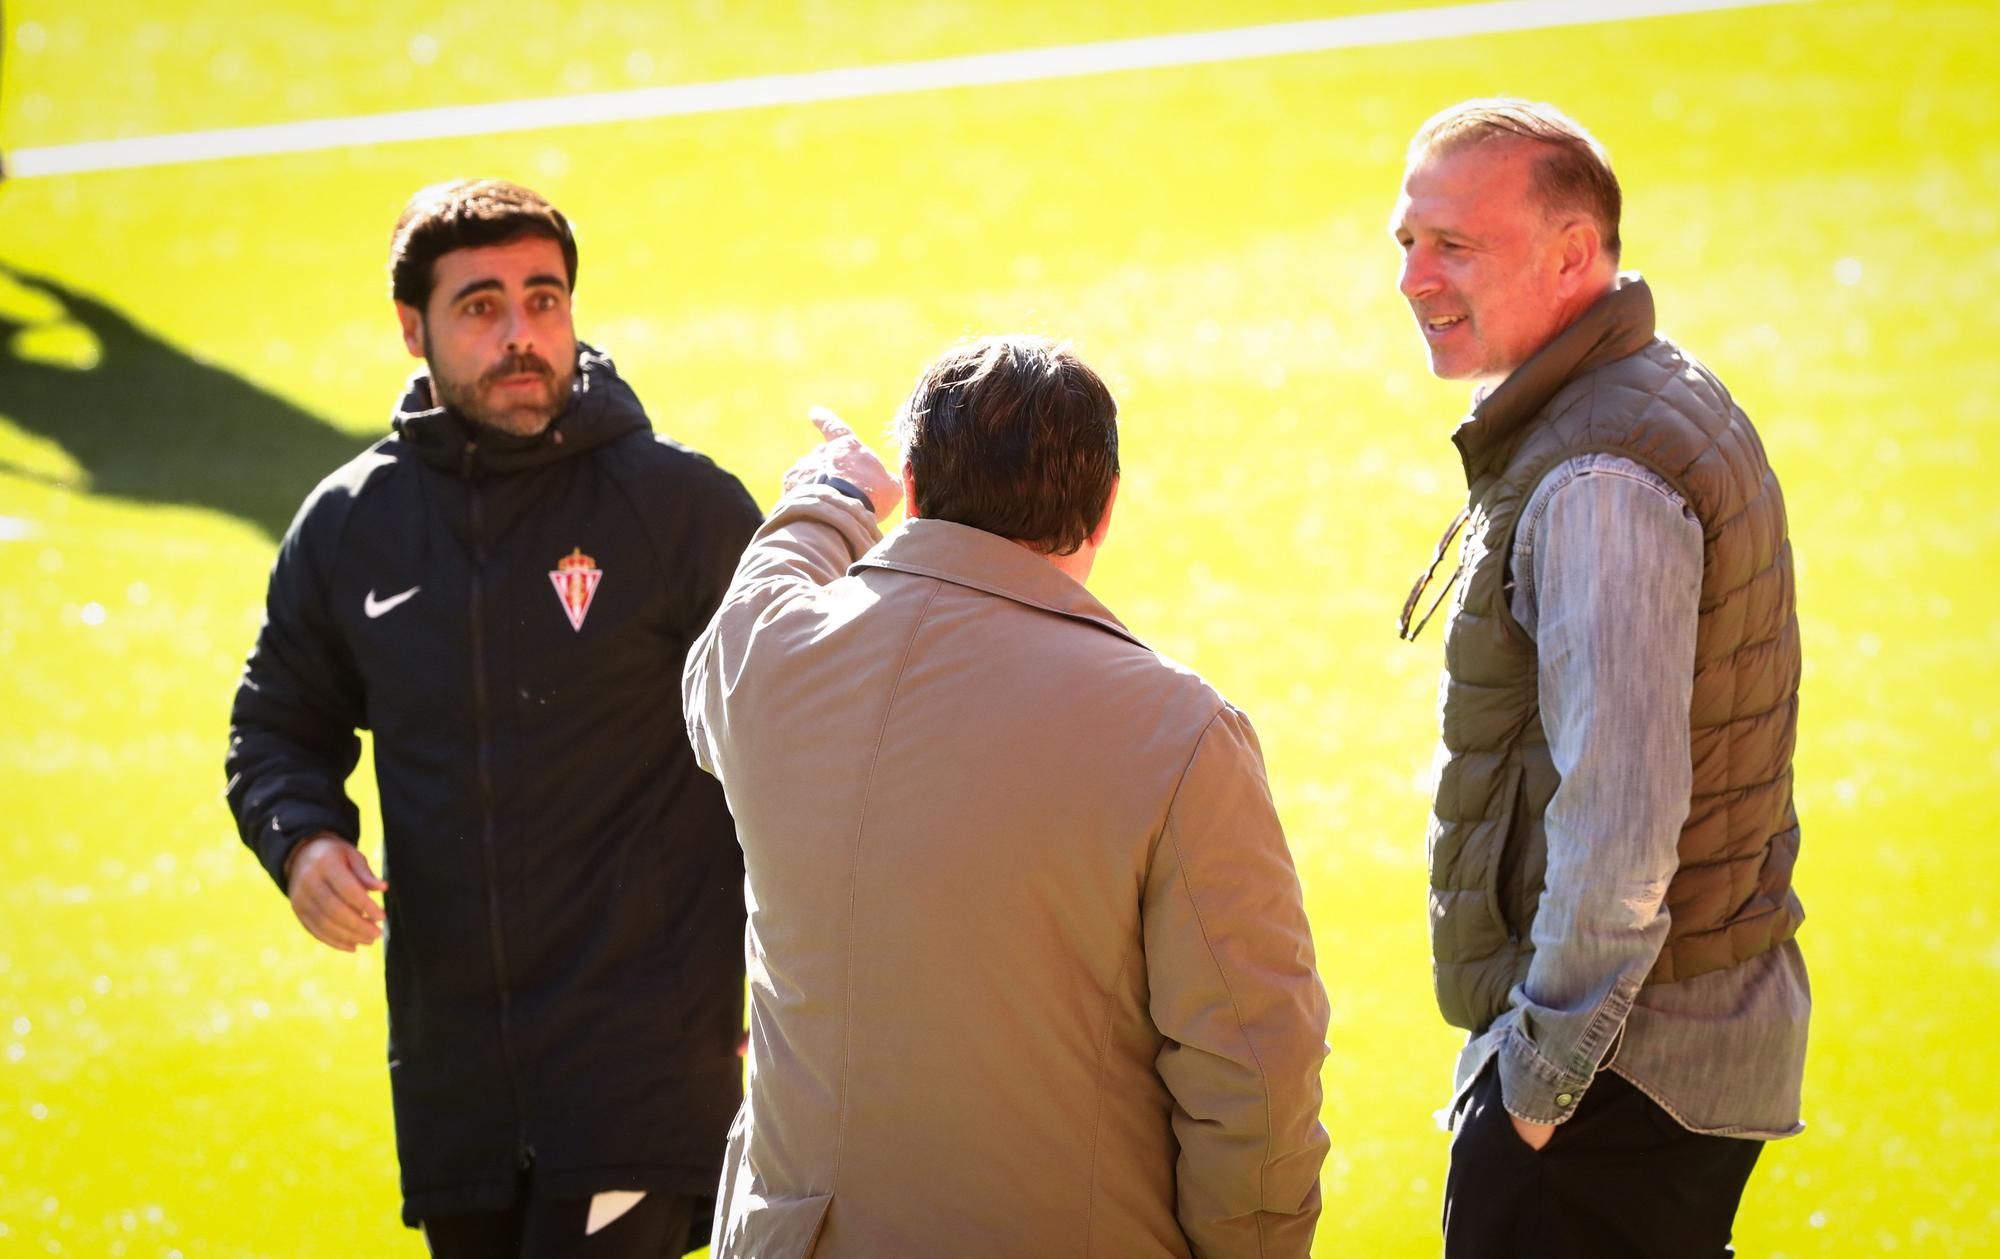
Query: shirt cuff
point(1532, 1088)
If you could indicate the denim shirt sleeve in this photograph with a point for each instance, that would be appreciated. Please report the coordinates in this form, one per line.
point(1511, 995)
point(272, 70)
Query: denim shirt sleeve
point(1607, 566)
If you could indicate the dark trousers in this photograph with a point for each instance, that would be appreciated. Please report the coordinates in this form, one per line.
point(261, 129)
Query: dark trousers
point(1619, 1178)
point(541, 1227)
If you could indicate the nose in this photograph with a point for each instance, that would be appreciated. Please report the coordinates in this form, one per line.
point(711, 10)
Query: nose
point(518, 330)
point(1419, 278)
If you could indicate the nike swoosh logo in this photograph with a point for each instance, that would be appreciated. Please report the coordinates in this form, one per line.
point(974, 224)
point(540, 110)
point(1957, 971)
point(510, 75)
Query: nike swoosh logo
point(376, 607)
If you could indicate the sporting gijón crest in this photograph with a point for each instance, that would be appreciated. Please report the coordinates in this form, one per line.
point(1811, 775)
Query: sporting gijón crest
point(576, 577)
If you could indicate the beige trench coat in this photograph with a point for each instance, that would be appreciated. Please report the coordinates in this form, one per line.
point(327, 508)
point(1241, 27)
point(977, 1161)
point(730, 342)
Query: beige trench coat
point(1029, 970)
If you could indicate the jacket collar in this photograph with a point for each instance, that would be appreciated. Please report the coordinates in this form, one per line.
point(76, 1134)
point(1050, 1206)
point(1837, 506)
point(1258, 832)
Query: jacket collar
point(986, 561)
point(602, 408)
point(1617, 325)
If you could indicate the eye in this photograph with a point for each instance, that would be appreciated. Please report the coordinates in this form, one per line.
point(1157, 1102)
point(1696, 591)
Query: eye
point(478, 306)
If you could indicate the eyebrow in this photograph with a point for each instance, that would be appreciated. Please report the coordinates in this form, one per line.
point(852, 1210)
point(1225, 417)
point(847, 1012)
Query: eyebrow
point(533, 281)
point(472, 288)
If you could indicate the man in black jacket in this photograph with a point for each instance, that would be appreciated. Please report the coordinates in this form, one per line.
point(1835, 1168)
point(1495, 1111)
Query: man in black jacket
point(503, 591)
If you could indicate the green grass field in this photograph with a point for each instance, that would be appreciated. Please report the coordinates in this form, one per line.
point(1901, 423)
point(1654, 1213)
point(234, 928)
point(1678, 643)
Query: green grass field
point(1812, 190)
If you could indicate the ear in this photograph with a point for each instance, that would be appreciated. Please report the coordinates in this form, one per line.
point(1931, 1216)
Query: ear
point(1103, 528)
point(1578, 251)
point(909, 494)
point(412, 320)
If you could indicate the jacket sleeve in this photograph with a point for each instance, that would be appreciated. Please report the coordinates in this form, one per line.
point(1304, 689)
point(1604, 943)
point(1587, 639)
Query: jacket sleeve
point(808, 541)
point(1229, 961)
point(292, 740)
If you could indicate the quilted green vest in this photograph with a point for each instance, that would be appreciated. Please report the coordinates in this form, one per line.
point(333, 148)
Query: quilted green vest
point(1607, 384)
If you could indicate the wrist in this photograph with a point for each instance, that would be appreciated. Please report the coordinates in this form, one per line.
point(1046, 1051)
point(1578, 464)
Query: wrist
point(298, 850)
point(848, 488)
point(1532, 1089)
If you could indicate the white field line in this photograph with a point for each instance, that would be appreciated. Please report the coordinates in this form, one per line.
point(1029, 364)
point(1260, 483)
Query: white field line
point(984, 69)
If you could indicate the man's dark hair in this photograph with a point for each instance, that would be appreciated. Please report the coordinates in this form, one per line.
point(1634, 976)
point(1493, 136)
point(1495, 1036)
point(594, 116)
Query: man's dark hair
point(466, 214)
point(1016, 436)
point(1574, 174)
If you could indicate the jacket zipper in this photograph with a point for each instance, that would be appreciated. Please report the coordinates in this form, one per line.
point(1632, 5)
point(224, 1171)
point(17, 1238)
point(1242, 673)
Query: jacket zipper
point(489, 847)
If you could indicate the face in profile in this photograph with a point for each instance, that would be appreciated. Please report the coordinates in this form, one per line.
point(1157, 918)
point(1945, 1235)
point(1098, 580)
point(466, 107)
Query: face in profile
point(498, 334)
point(1481, 261)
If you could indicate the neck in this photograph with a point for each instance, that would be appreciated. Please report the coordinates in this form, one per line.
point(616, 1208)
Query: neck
point(1590, 294)
point(1566, 315)
point(1076, 565)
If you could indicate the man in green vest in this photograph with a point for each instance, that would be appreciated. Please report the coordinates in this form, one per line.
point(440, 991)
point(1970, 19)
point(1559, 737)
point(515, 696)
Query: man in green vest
point(1612, 834)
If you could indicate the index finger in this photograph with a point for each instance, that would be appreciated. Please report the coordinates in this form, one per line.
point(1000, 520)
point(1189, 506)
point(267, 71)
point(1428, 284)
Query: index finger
point(830, 426)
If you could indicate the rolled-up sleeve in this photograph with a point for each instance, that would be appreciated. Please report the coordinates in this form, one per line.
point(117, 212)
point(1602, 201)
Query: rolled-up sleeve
point(1234, 991)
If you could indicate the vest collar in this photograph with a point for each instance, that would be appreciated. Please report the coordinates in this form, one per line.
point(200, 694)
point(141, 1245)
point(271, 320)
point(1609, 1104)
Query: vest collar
point(986, 561)
point(1617, 325)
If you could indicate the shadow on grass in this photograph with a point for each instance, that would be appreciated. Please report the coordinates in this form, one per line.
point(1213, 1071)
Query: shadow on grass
point(147, 422)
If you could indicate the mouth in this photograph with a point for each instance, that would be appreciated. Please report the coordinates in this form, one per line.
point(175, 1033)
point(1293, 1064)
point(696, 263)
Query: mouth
point(1439, 325)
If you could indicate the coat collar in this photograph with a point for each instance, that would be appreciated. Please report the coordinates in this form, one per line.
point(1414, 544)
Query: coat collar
point(1617, 325)
point(986, 561)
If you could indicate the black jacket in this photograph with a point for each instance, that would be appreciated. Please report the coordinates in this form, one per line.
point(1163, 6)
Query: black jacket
point(565, 906)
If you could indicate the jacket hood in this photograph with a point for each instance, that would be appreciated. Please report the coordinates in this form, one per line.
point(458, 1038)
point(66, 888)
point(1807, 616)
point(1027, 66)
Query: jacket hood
point(602, 408)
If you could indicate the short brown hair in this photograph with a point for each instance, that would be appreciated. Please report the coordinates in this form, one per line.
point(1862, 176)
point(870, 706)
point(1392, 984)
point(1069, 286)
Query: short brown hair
point(466, 214)
point(1016, 436)
point(1575, 174)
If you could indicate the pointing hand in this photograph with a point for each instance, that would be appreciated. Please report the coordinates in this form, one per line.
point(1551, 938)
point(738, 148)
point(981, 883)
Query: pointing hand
point(841, 454)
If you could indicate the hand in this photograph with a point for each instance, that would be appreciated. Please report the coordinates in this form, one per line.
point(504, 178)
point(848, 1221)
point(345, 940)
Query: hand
point(329, 886)
point(1535, 1134)
point(842, 455)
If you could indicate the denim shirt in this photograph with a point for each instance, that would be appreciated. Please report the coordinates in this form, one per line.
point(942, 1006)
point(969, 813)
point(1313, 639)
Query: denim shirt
point(1607, 566)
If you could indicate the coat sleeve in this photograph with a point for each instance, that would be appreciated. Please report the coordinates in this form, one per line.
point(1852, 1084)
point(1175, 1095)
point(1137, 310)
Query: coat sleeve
point(1229, 960)
point(292, 740)
point(808, 541)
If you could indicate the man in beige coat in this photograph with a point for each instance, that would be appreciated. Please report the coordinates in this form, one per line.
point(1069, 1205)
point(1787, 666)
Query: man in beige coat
point(1029, 969)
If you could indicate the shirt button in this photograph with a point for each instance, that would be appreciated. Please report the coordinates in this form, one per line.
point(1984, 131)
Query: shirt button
point(1564, 1099)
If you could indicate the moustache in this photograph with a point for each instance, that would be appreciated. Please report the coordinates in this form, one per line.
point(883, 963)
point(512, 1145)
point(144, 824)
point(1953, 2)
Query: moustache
point(517, 365)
